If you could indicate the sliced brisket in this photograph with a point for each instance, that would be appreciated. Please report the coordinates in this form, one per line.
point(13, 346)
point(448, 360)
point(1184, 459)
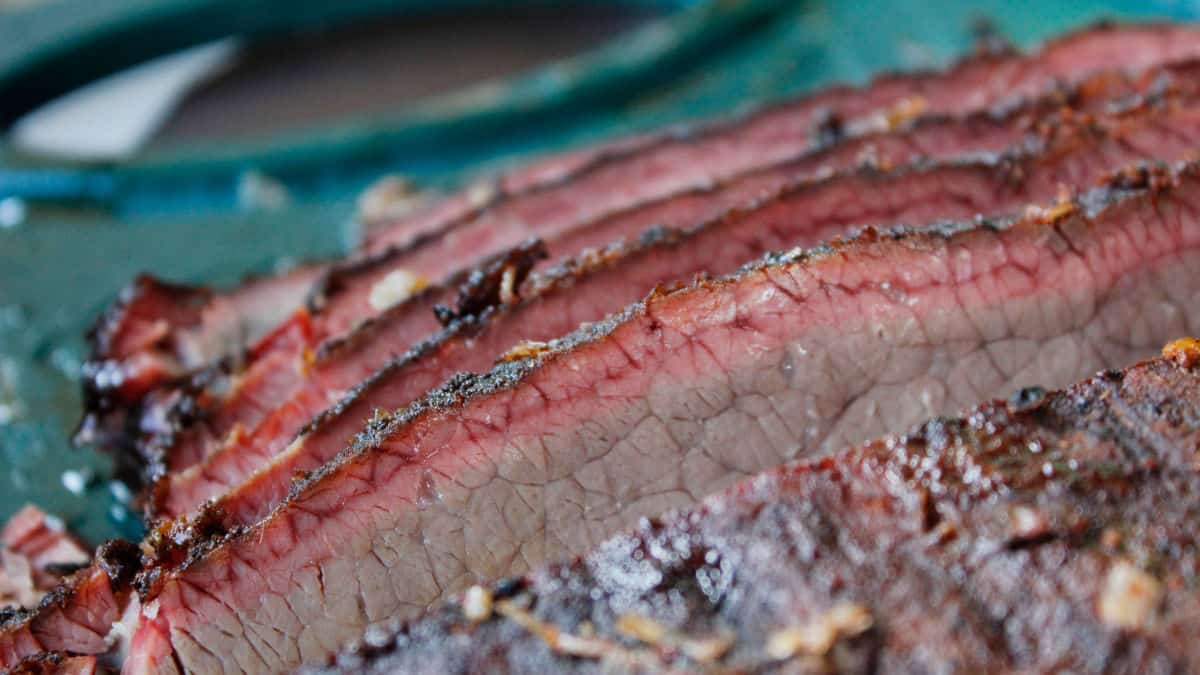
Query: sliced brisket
point(36, 552)
point(679, 160)
point(78, 615)
point(155, 351)
point(1055, 532)
point(792, 211)
point(676, 397)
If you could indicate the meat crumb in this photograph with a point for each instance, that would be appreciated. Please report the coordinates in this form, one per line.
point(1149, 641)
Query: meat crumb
point(818, 636)
point(477, 604)
point(1048, 215)
point(1129, 597)
point(701, 650)
point(522, 350)
point(906, 109)
point(390, 197)
point(1110, 538)
point(559, 641)
point(396, 287)
point(1185, 352)
point(641, 628)
point(1027, 523)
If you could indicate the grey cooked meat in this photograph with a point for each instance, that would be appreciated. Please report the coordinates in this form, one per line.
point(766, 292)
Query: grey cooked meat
point(670, 162)
point(675, 398)
point(249, 478)
point(1049, 533)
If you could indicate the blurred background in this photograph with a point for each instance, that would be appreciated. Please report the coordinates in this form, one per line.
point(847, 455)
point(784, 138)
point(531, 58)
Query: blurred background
point(205, 140)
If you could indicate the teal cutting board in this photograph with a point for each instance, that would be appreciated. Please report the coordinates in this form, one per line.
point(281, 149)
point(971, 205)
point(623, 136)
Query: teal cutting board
point(90, 228)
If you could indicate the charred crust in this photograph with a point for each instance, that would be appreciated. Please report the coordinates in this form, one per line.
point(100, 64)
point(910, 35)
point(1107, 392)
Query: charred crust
point(12, 616)
point(64, 569)
point(483, 287)
point(120, 560)
point(175, 541)
point(178, 544)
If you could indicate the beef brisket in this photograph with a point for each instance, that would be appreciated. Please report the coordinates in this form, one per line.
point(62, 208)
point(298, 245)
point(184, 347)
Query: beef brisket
point(1053, 532)
point(36, 552)
point(668, 162)
point(78, 615)
point(158, 347)
point(801, 212)
point(674, 398)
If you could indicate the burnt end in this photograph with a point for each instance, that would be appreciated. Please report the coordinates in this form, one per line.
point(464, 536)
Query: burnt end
point(121, 561)
point(826, 565)
point(495, 282)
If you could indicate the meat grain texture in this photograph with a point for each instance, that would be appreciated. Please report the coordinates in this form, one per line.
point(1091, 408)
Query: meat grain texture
point(678, 397)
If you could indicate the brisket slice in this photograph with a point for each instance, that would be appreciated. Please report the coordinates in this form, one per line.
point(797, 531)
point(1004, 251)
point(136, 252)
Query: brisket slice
point(681, 160)
point(36, 552)
point(674, 398)
point(801, 212)
point(1053, 532)
point(159, 346)
point(77, 616)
